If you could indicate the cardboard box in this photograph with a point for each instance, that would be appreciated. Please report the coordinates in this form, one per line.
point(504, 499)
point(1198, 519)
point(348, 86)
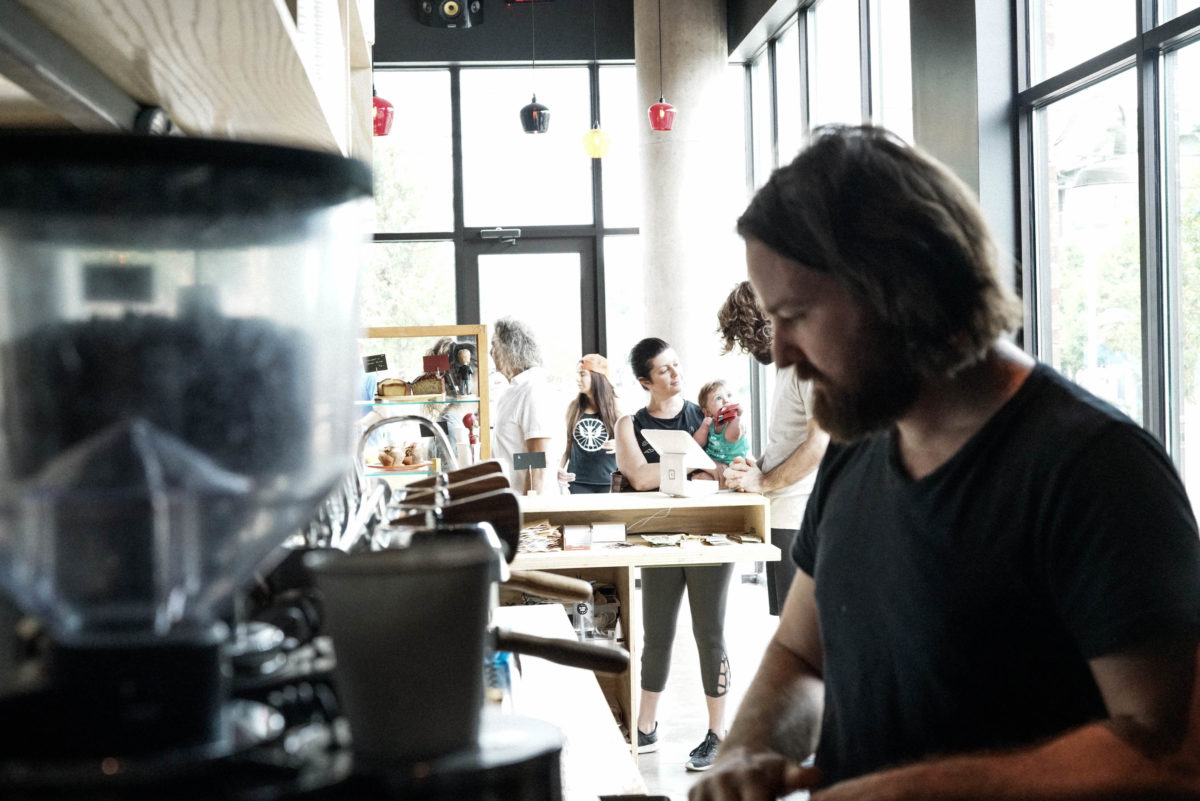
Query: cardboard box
point(608, 532)
point(577, 538)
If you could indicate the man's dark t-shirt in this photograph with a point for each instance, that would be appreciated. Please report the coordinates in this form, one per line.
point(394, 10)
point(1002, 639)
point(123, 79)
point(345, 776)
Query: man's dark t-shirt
point(958, 612)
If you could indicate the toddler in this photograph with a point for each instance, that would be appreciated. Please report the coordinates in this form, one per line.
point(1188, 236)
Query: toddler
point(721, 433)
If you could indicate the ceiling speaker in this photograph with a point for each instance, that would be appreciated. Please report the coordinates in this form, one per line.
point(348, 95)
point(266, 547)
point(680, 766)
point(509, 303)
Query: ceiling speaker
point(450, 13)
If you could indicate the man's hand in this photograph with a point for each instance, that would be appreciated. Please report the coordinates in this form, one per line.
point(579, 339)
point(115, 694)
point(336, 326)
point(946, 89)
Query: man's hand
point(743, 475)
point(741, 774)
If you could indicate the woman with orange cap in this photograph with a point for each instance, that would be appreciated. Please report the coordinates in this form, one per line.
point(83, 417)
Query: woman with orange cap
point(590, 457)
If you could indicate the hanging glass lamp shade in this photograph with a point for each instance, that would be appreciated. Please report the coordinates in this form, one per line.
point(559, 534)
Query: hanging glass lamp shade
point(535, 118)
point(662, 115)
point(595, 143)
point(381, 115)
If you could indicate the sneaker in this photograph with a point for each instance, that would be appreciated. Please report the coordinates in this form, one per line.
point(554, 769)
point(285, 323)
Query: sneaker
point(648, 743)
point(702, 756)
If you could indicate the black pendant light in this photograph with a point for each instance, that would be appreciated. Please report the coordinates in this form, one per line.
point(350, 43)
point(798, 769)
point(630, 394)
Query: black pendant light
point(535, 118)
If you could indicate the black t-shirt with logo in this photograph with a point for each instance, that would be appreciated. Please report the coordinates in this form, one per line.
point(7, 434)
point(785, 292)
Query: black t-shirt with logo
point(590, 463)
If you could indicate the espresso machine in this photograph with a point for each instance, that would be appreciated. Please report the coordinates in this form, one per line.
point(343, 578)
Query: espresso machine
point(177, 371)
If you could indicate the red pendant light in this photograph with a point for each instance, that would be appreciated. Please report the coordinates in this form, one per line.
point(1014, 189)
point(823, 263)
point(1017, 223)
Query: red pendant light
point(662, 113)
point(381, 115)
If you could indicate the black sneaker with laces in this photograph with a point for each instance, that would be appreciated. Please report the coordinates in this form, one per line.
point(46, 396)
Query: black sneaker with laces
point(702, 756)
point(648, 743)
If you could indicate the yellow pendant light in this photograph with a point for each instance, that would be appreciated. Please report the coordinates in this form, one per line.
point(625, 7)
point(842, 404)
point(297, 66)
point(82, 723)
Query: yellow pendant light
point(595, 141)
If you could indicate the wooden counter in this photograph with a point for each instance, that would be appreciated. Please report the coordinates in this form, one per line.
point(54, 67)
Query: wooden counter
point(595, 759)
point(721, 513)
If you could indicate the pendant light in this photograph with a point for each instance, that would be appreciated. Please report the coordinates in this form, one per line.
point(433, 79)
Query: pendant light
point(662, 113)
point(595, 141)
point(382, 112)
point(535, 118)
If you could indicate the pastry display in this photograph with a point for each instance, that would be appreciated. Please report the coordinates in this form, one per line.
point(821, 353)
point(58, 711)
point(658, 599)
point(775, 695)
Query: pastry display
point(428, 384)
point(393, 388)
point(388, 456)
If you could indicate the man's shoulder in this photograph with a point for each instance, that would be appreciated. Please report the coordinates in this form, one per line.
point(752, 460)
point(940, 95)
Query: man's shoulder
point(1060, 406)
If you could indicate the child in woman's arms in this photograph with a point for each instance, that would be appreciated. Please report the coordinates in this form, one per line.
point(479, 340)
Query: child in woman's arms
point(721, 434)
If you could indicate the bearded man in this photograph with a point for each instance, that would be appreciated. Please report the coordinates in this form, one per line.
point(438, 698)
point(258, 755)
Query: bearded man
point(998, 593)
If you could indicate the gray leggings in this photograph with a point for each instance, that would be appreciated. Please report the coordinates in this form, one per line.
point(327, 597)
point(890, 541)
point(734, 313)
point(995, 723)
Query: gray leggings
point(662, 590)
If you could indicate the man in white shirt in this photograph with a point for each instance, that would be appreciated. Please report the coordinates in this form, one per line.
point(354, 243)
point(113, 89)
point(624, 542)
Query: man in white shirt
point(524, 412)
point(795, 443)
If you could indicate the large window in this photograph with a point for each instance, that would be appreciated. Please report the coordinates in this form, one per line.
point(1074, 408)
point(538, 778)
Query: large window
point(811, 73)
point(1064, 33)
point(394, 270)
point(511, 177)
point(789, 87)
point(891, 66)
point(1089, 244)
point(763, 119)
point(833, 39)
point(621, 168)
point(1183, 252)
point(415, 161)
point(1112, 140)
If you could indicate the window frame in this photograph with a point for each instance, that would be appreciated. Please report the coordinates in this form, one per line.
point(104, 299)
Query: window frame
point(1145, 53)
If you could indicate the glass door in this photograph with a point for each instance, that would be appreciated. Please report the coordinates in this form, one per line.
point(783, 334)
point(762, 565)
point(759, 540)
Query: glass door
point(549, 284)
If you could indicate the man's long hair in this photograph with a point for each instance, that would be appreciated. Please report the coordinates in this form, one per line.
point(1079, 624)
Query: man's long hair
point(516, 345)
point(900, 232)
point(743, 325)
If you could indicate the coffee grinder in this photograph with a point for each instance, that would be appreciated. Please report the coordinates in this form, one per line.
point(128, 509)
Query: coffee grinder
point(177, 368)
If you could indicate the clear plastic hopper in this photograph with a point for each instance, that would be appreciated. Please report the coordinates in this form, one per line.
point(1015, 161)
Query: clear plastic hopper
point(177, 370)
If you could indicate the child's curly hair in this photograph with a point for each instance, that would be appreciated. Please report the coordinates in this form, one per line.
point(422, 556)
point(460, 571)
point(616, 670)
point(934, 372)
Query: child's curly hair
point(742, 324)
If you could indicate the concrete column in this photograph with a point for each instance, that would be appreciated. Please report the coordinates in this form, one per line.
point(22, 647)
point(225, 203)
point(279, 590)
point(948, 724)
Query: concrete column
point(963, 85)
point(692, 186)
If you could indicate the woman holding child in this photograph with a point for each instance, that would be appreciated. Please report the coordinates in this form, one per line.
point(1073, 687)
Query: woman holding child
point(656, 367)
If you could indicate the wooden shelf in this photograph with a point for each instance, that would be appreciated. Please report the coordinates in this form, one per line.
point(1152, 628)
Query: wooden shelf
point(229, 69)
point(724, 513)
point(641, 512)
point(461, 332)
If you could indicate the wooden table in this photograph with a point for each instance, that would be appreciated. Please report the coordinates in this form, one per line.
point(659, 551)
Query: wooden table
point(721, 513)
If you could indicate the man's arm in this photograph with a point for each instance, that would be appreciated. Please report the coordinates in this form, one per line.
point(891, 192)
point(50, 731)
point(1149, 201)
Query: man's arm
point(640, 474)
point(1148, 748)
point(779, 718)
point(802, 461)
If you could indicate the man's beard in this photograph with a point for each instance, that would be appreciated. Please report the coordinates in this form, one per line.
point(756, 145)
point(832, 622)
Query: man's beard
point(885, 387)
